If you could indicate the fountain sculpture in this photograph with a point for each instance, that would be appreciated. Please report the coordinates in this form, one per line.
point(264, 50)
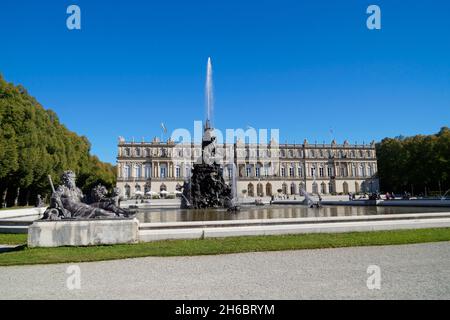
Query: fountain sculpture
point(206, 187)
point(68, 202)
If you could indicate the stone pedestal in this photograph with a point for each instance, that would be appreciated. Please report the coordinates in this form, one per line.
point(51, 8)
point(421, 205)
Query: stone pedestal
point(83, 232)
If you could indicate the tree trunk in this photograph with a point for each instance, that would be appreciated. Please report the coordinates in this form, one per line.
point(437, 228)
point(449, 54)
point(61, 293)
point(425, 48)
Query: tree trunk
point(16, 199)
point(5, 192)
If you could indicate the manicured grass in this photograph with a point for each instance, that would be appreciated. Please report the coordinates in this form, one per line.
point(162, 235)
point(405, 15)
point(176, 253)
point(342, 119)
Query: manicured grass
point(215, 246)
point(13, 238)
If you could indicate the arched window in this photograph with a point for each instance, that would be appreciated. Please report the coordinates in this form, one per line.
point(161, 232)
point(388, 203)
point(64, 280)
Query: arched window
point(293, 188)
point(284, 188)
point(345, 187)
point(323, 188)
point(250, 190)
point(260, 190)
point(268, 189)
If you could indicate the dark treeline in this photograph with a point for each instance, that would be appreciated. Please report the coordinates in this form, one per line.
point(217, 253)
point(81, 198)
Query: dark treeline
point(418, 164)
point(34, 144)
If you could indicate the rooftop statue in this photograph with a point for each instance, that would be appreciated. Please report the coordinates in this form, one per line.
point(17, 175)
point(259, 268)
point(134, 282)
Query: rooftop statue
point(68, 202)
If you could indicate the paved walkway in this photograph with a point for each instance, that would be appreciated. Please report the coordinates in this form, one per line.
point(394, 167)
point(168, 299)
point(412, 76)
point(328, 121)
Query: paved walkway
point(419, 271)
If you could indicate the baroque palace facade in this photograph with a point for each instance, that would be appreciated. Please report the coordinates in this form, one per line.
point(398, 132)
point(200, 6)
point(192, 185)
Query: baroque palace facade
point(261, 170)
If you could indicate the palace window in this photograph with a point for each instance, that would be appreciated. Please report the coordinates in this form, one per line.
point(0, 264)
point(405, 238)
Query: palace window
point(138, 171)
point(248, 171)
point(330, 171)
point(127, 152)
point(313, 171)
point(362, 172)
point(283, 171)
point(138, 152)
point(126, 171)
point(370, 171)
point(177, 172)
point(266, 171)
point(321, 173)
point(163, 171)
point(148, 171)
point(353, 170)
point(291, 171)
point(300, 171)
point(257, 171)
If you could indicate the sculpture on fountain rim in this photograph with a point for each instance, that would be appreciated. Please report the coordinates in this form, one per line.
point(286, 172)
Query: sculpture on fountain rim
point(68, 202)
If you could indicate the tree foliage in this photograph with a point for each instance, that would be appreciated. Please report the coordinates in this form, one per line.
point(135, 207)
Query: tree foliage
point(418, 164)
point(34, 144)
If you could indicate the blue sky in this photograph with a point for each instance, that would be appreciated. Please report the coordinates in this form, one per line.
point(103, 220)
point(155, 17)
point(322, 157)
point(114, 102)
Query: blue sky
point(301, 66)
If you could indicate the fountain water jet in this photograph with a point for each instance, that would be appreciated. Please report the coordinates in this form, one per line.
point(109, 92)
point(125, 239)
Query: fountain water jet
point(207, 188)
point(209, 94)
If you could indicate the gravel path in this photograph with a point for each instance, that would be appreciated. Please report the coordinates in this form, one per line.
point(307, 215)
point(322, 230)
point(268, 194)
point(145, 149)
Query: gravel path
point(420, 271)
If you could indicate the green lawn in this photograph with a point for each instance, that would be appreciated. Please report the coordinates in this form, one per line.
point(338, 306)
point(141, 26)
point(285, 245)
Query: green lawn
point(214, 246)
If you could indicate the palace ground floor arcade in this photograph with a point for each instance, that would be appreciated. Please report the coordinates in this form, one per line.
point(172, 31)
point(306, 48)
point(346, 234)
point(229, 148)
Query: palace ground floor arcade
point(255, 187)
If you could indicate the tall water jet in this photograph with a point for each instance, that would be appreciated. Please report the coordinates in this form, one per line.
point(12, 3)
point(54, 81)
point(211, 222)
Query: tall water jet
point(209, 94)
